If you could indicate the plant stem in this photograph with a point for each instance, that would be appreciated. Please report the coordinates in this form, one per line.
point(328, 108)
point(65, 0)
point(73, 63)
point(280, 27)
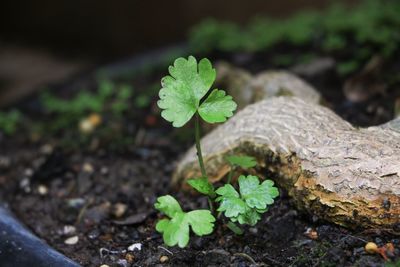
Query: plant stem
point(230, 175)
point(198, 146)
point(234, 228)
point(200, 156)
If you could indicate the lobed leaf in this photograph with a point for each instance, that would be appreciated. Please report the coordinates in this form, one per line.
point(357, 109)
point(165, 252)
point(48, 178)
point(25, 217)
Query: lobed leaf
point(168, 205)
point(202, 185)
point(182, 91)
point(217, 107)
point(175, 230)
point(252, 201)
point(201, 221)
point(256, 195)
point(230, 202)
point(244, 162)
point(185, 87)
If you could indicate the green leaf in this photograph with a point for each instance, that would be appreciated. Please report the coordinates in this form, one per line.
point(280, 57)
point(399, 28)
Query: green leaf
point(250, 217)
point(217, 107)
point(168, 205)
point(252, 201)
point(244, 162)
point(201, 221)
point(256, 195)
point(202, 185)
point(183, 89)
point(227, 191)
point(231, 204)
point(176, 229)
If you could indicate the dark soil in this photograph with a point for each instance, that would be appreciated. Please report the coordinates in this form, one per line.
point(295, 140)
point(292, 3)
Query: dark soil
point(51, 188)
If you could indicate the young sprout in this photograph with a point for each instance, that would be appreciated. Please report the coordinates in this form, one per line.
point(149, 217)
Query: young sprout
point(186, 94)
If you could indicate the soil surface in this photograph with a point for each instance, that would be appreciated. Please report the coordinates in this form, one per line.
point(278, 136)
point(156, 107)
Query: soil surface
point(95, 204)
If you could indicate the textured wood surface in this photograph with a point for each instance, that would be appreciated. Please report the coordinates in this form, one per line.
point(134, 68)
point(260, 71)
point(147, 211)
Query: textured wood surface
point(343, 174)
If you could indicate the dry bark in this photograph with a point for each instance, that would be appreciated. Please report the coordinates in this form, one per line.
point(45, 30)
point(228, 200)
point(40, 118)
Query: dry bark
point(343, 174)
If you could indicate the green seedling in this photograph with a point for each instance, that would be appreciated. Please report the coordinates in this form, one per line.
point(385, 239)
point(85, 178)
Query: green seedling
point(253, 200)
point(186, 94)
point(108, 97)
point(176, 229)
point(338, 31)
point(9, 121)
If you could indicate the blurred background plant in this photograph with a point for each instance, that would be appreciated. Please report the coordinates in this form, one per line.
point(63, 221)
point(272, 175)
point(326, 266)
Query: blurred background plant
point(352, 36)
point(357, 41)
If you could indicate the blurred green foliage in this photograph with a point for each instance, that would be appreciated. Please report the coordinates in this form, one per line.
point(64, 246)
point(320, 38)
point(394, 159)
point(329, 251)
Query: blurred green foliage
point(67, 112)
point(372, 26)
point(9, 121)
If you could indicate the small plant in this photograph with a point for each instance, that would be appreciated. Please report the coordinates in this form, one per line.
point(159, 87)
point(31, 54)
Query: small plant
point(9, 121)
point(184, 95)
point(109, 97)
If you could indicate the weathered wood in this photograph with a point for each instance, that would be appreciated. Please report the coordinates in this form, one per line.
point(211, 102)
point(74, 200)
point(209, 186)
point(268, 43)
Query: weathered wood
point(343, 174)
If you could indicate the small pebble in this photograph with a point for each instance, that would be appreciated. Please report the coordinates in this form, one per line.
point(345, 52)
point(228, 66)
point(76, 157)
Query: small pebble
point(164, 259)
point(25, 185)
point(104, 170)
point(311, 233)
point(72, 240)
point(119, 210)
point(371, 247)
point(122, 262)
point(76, 202)
point(28, 172)
point(104, 265)
point(136, 246)
point(69, 229)
point(87, 167)
point(46, 149)
point(129, 257)
point(42, 190)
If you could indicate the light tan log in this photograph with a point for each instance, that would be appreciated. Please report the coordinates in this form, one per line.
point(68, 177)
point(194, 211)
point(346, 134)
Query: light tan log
point(340, 173)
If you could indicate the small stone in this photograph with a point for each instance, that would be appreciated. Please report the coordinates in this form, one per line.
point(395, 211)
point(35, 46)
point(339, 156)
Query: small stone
point(42, 190)
point(69, 229)
point(89, 124)
point(129, 257)
point(371, 248)
point(164, 259)
point(72, 240)
point(136, 246)
point(25, 185)
point(95, 119)
point(76, 202)
point(253, 230)
point(104, 170)
point(94, 234)
point(122, 262)
point(85, 126)
point(5, 162)
point(311, 233)
point(87, 167)
point(28, 172)
point(119, 210)
point(104, 265)
point(46, 149)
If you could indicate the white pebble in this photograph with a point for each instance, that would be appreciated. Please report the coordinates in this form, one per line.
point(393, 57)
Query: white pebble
point(136, 246)
point(72, 240)
point(42, 190)
point(69, 229)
